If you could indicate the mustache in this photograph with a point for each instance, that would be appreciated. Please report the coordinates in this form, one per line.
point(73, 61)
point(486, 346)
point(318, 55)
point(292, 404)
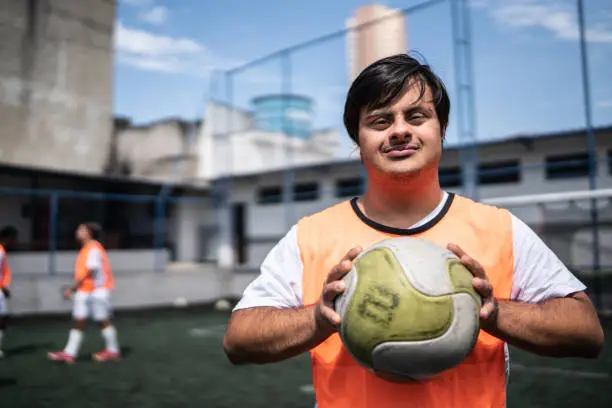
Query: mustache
point(400, 147)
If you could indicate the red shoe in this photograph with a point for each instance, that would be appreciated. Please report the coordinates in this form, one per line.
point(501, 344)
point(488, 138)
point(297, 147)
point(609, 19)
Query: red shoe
point(107, 355)
point(61, 356)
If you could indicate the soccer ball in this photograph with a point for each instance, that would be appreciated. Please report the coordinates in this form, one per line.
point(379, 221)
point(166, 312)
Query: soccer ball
point(409, 310)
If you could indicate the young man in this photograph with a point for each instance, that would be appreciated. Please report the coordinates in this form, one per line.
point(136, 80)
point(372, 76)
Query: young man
point(8, 235)
point(91, 296)
point(397, 113)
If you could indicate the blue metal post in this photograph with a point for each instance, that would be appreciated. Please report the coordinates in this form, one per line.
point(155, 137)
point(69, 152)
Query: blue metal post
point(225, 218)
point(592, 151)
point(53, 214)
point(466, 109)
point(288, 176)
point(159, 232)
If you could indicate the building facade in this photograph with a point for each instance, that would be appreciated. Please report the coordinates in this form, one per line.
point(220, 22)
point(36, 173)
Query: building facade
point(383, 33)
point(56, 83)
point(521, 166)
point(238, 142)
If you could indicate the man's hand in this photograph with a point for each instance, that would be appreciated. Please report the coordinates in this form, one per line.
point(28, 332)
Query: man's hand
point(490, 306)
point(267, 334)
point(561, 327)
point(327, 319)
point(68, 293)
point(7, 293)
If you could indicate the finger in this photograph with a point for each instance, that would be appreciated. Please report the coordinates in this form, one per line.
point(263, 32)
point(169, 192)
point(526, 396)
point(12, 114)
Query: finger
point(468, 261)
point(345, 264)
point(487, 310)
point(330, 315)
point(339, 270)
point(332, 290)
point(352, 253)
point(456, 249)
point(483, 287)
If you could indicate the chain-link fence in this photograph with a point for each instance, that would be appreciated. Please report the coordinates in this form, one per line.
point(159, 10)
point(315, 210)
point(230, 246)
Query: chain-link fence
point(141, 232)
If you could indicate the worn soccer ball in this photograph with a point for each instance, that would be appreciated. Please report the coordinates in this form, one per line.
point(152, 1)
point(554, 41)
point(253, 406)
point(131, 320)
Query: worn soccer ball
point(409, 310)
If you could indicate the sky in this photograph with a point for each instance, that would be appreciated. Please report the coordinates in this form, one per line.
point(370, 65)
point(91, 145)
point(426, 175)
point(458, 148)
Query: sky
point(526, 65)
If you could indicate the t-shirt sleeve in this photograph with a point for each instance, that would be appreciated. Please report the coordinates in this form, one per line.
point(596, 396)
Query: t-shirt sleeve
point(94, 260)
point(279, 283)
point(538, 273)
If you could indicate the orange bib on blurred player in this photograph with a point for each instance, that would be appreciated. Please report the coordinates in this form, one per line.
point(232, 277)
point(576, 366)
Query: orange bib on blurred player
point(104, 277)
point(485, 233)
point(5, 270)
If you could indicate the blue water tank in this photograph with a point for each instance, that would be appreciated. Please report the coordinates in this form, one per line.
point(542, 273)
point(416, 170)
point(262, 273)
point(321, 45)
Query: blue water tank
point(289, 114)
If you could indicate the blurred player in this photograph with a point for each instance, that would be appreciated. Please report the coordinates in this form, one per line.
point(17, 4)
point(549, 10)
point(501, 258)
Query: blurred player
point(8, 235)
point(91, 297)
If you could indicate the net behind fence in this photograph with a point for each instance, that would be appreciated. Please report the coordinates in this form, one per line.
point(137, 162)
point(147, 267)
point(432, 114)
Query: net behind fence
point(577, 226)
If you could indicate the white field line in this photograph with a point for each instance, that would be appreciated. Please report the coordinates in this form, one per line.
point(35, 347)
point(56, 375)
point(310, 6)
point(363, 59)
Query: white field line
point(217, 330)
point(307, 389)
point(559, 371)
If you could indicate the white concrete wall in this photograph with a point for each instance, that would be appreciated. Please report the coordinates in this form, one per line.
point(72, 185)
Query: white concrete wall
point(43, 294)
point(56, 83)
point(195, 232)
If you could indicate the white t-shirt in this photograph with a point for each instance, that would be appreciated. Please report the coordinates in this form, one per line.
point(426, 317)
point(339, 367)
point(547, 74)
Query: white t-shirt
point(538, 273)
point(94, 264)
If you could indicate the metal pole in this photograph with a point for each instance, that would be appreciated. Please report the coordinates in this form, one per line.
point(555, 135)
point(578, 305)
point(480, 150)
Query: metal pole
point(592, 152)
point(288, 175)
point(53, 213)
point(465, 106)
point(471, 99)
point(226, 199)
point(159, 233)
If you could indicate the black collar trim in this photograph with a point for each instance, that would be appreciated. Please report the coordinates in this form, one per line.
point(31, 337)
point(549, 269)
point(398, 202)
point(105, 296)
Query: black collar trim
point(403, 231)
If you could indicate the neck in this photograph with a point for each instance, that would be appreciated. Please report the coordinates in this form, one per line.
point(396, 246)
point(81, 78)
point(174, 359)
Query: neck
point(400, 204)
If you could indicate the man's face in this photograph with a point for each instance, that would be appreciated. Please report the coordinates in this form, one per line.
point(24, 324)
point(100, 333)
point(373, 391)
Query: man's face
point(82, 233)
point(402, 138)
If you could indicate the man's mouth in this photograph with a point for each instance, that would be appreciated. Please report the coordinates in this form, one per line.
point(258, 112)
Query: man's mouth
point(400, 150)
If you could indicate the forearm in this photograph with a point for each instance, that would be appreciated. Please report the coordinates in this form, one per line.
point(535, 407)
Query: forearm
point(565, 327)
point(265, 334)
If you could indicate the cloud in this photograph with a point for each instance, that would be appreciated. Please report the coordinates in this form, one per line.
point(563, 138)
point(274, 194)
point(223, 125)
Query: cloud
point(553, 17)
point(149, 51)
point(154, 52)
point(140, 42)
point(157, 15)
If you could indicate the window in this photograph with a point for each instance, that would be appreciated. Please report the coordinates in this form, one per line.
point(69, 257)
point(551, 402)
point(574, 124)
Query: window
point(508, 171)
point(305, 192)
point(450, 177)
point(565, 166)
point(269, 195)
point(349, 187)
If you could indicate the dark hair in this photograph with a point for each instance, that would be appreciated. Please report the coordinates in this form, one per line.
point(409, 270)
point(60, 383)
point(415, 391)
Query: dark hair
point(95, 230)
point(8, 232)
point(382, 81)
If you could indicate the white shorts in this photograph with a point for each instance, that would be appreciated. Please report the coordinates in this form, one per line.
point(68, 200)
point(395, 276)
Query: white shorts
point(3, 304)
point(95, 304)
